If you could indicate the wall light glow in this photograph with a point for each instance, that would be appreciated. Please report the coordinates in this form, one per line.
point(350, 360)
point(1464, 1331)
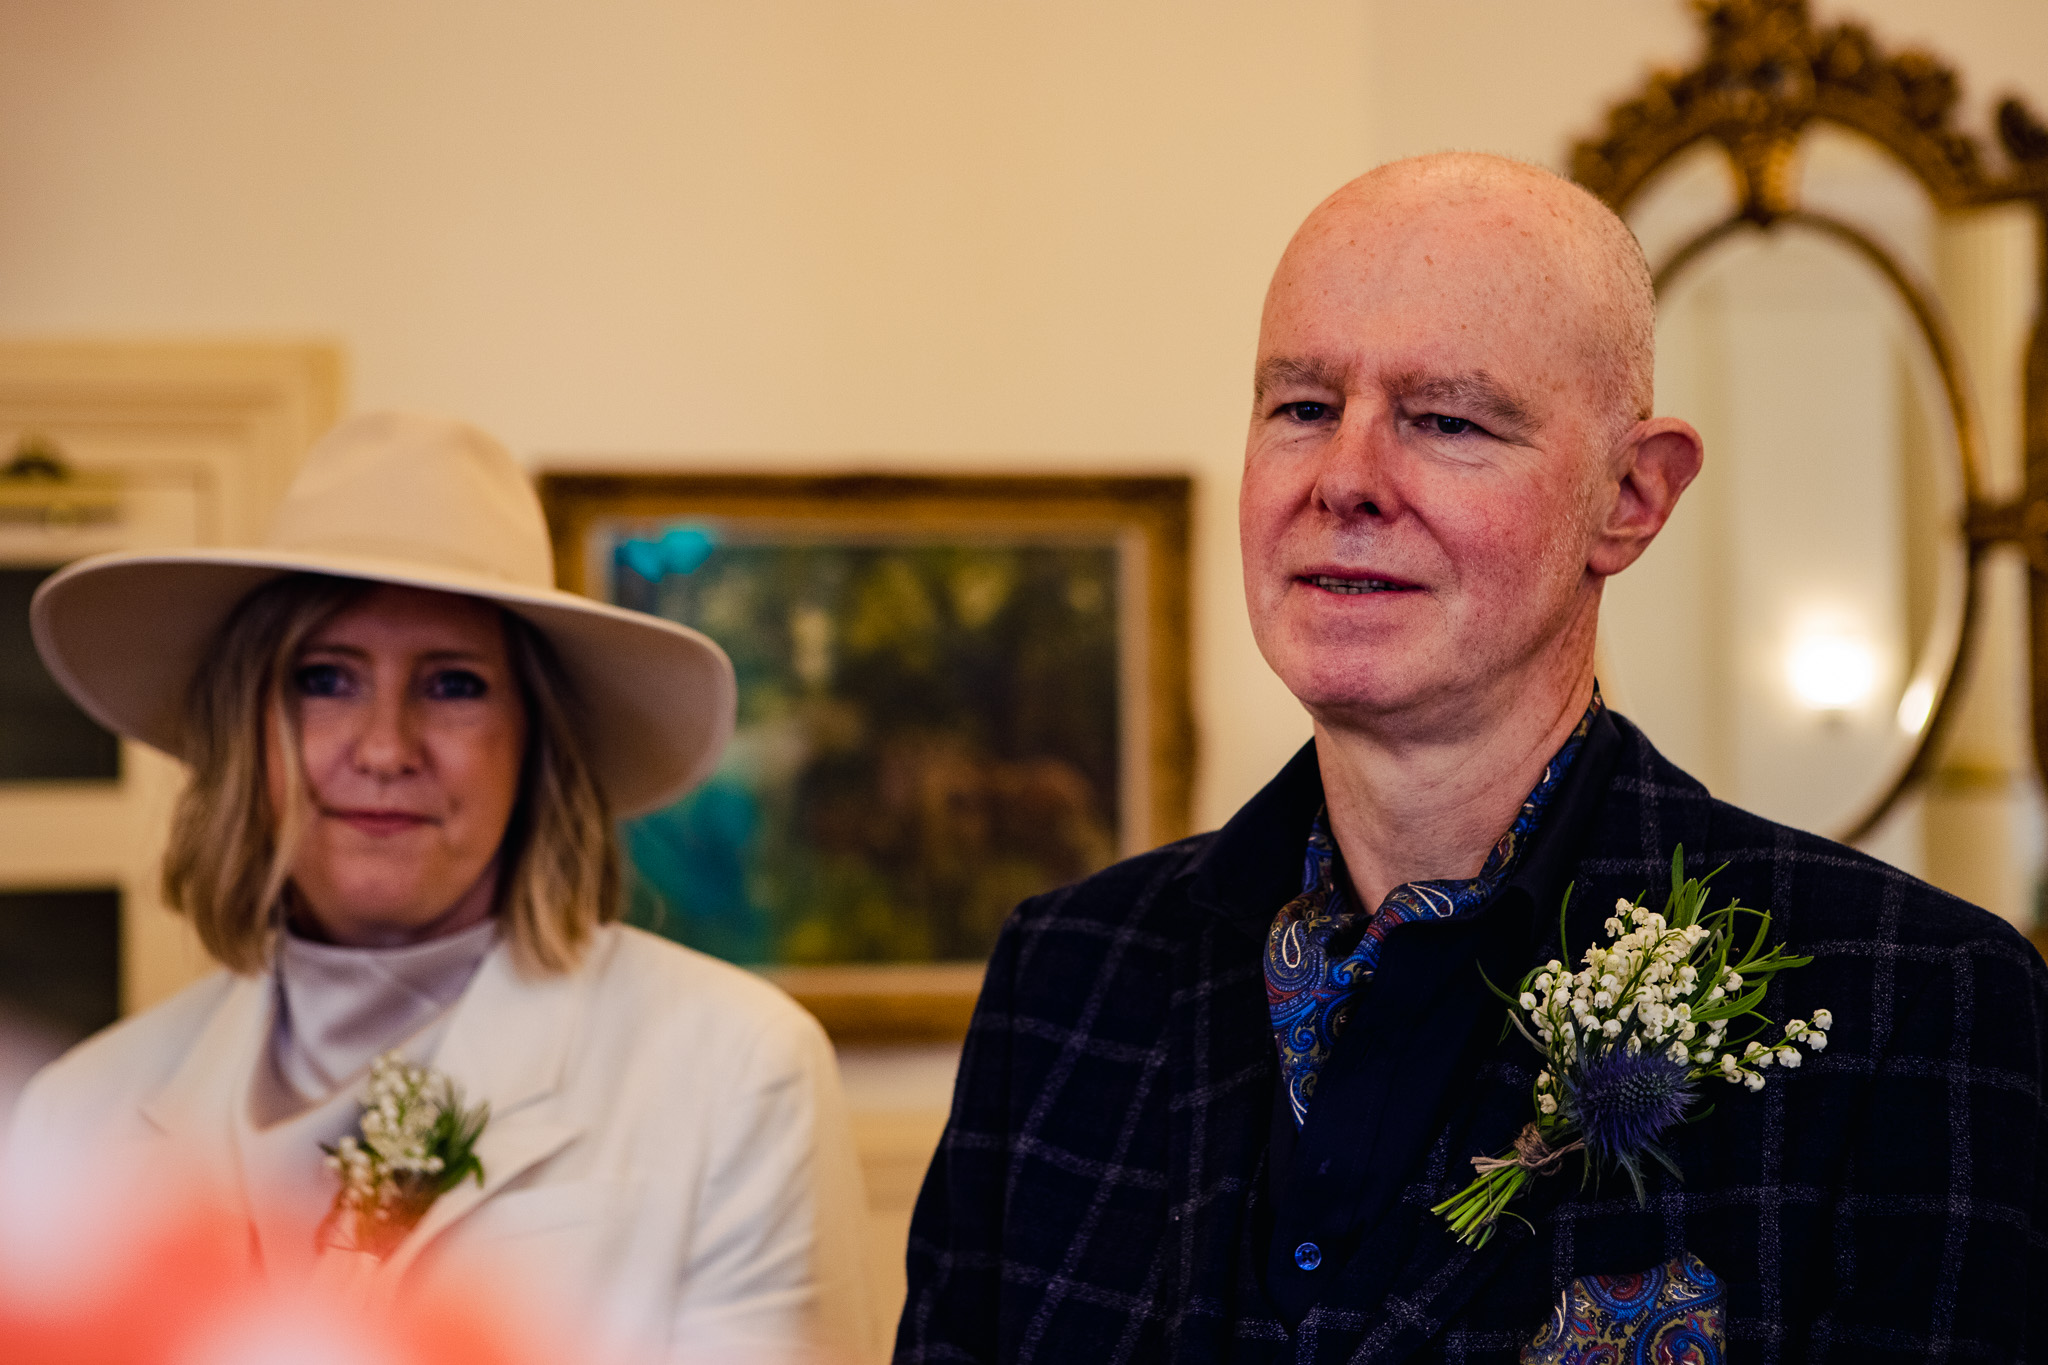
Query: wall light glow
point(1915, 706)
point(1831, 671)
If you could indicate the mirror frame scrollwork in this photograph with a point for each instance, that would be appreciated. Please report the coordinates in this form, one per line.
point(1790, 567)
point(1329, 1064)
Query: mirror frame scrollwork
point(1767, 75)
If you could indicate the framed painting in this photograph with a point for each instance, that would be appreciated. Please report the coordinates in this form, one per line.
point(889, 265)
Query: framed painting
point(955, 692)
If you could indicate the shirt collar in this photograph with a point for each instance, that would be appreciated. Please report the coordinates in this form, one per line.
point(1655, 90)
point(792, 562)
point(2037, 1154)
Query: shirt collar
point(1468, 893)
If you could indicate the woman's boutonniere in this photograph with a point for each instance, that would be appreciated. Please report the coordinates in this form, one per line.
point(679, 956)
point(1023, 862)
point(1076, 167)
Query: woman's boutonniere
point(414, 1143)
point(1628, 1037)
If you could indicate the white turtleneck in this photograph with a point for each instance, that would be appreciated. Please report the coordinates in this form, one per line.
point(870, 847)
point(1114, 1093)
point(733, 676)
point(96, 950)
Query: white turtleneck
point(337, 1010)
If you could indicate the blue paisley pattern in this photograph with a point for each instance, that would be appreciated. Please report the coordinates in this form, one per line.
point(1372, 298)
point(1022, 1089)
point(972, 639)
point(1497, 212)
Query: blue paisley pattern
point(1674, 1314)
point(1320, 949)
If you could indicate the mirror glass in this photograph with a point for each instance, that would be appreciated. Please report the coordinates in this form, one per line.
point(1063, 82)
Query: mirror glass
point(1784, 637)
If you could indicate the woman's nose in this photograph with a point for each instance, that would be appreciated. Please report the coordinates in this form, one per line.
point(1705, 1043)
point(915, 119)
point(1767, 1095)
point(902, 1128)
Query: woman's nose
point(388, 746)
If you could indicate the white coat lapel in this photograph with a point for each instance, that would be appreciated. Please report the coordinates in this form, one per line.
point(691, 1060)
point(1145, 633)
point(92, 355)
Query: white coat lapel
point(195, 1109)
point(507, 1045)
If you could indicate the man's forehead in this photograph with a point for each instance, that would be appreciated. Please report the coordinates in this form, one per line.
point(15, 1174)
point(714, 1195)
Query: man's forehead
point(1461, 249)
point(1450, 286)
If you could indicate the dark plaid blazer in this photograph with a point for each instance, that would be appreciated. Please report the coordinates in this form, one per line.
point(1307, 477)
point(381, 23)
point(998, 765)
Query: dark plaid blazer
point(1108, 1187)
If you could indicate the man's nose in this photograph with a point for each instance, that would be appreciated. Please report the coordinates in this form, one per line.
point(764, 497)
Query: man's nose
point(1356, 476)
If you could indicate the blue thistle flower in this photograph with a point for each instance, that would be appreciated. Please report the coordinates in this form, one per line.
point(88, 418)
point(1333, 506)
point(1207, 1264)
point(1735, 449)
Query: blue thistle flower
point(1623, 1101)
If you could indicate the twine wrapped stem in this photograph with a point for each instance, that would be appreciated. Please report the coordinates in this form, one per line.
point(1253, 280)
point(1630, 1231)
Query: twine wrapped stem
point(1532, 1154)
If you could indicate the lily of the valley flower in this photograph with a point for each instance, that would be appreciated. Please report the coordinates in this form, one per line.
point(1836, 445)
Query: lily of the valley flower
point(414, 1143)
point(1628, 1037)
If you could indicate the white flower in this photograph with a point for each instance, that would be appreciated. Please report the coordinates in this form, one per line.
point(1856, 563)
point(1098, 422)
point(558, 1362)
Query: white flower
point(1794, 1027)
point(1817, 1041)
point(1753, 1081)
point(1823, 1020)
point(1788, 1056)
point(1612, 1028)
point(1546, 1104)
point(1528, 1001)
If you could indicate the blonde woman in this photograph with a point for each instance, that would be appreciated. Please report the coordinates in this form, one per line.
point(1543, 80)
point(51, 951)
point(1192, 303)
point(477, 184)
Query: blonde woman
point(407, 749)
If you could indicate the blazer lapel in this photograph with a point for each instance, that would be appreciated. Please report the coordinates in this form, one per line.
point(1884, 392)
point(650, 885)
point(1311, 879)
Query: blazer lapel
point(508, 1046)
point(1224, 1065)
point(195, 1109)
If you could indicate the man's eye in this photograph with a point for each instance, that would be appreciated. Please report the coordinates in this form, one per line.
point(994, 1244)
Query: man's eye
point(320, 680)
point(1440, 425)
point(1307, 412)
point(456, 684)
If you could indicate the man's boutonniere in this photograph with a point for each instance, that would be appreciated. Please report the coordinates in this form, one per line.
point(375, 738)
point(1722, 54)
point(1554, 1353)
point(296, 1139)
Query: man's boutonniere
point(1628, 1037)
point(414, 1143)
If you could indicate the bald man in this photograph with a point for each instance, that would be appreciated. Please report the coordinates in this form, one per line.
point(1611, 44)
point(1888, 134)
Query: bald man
point(1211, 1095)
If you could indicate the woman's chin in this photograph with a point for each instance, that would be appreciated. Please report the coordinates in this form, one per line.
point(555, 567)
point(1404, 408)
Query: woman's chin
point(389, 924)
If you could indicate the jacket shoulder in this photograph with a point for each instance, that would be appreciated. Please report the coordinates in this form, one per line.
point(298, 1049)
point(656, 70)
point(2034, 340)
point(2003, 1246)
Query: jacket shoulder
point(1818, 890)
point(1845, 888)
point(125, 1060)
point(663, 994)
point(1118, 893)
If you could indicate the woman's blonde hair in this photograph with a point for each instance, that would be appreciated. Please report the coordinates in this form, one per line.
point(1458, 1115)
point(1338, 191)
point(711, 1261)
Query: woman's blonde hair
point(229, 862)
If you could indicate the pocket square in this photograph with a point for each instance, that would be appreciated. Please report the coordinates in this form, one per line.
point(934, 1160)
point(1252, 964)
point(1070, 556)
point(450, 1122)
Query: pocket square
point(1672, 1314)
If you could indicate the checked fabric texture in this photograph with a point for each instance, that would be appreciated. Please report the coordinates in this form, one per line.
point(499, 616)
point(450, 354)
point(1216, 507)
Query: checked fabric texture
point(1321, 948)
point(1097, 1193)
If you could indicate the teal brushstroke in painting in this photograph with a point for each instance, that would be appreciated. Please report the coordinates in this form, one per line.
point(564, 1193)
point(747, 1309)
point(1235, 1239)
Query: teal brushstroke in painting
point(680, 550)
point(691, 859)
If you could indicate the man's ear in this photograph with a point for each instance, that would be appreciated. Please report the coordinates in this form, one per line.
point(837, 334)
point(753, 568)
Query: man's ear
point(1654, 462)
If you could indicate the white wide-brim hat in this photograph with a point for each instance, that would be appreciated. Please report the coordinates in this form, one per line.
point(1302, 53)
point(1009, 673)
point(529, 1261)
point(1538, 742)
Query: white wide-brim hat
point(422, 502)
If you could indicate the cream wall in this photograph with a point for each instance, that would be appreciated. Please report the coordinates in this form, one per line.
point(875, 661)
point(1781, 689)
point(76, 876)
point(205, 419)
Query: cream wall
point(886, 232)
point(918, 235)
point(899, 232)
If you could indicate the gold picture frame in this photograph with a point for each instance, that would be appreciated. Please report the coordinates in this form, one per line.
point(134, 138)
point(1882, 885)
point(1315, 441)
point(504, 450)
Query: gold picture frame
point(1144, 518)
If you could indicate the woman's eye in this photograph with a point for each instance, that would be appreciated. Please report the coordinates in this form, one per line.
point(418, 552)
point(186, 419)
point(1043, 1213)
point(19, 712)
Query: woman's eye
point(456, 684)
point(1440, 425)
point(320, 680)
point(1307, 411)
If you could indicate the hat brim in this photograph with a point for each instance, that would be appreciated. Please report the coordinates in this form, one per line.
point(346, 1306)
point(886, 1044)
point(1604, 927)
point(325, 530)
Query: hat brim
point(125, 633)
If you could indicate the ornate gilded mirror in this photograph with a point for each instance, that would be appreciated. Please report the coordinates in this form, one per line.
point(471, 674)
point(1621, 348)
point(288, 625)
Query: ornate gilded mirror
point(1849, 308)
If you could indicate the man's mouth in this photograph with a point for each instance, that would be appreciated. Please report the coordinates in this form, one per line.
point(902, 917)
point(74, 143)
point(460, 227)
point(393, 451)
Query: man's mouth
point(1355, 586)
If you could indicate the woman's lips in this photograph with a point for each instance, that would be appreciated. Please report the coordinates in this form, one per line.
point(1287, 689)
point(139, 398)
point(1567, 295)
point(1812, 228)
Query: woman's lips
point(380, 822)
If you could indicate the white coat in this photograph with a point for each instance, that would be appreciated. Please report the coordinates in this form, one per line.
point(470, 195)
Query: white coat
point(667, 1143)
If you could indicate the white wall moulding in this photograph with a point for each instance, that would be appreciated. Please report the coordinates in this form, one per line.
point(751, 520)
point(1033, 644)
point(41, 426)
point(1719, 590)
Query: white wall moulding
point(200, 438)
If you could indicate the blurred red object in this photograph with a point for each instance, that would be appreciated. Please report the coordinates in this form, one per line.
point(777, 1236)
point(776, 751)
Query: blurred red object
point(183, 1291)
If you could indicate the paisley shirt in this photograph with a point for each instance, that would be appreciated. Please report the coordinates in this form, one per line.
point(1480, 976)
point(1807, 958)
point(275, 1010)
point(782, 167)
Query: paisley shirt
point(1321, 949)
point(1674, 1314)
